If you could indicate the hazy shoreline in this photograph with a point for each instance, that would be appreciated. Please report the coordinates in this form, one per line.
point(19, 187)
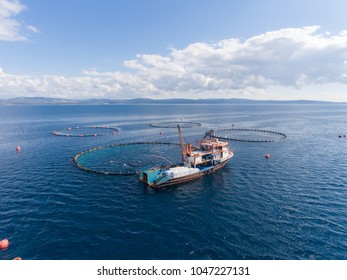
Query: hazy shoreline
point(58, 101)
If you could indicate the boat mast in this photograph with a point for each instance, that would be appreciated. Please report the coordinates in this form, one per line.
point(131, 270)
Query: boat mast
point(182, 143)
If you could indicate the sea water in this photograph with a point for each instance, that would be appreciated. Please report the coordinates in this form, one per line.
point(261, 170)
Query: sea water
point(290, 206)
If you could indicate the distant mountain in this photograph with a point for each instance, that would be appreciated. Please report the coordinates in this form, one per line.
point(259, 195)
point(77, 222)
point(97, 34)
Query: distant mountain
point(36, 101)
point(58, 101)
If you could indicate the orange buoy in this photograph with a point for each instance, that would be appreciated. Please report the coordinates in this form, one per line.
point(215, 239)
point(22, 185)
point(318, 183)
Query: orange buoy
point(17, 259)
point(4, 244)
point(267, 156)
point(95, 135)
point(81, 135)
point(18, 149)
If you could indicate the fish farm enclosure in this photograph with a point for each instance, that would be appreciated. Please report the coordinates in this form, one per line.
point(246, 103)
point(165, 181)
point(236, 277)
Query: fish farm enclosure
point(282, 195)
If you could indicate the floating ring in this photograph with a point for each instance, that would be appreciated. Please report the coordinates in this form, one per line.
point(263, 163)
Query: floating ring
point(217, 134)
point(81, 134)
point(175, 124)
point(77, 160)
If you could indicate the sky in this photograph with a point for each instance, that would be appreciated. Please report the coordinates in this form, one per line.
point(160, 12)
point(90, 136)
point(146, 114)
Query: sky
point(120, 49)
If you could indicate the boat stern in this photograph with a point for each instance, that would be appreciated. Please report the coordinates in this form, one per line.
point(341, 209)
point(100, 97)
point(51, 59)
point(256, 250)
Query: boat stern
point(153, 176)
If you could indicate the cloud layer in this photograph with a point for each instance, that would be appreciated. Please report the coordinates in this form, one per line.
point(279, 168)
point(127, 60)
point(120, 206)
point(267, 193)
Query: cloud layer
point(12, 29)
point(291, 58)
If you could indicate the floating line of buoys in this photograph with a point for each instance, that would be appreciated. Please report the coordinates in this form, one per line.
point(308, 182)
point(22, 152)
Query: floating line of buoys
point(217, 134)
point(69, 130)
point(118, 173)
point(175, 124)
point(4, 244)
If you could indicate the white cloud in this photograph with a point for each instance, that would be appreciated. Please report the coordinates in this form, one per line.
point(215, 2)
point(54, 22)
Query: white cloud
point(288, 57)
point(294, 59)
point(12, 29)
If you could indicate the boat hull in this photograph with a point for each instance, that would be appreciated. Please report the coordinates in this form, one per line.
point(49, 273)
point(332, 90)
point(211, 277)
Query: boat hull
point(187, 178)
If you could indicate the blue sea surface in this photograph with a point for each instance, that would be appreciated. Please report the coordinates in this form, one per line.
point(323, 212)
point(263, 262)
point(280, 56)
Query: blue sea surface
point(290, 206)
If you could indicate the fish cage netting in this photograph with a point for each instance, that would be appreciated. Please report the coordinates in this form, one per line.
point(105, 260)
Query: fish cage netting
point(86, 131)
point(126, 158)
point(246, 135)
point(175, 124)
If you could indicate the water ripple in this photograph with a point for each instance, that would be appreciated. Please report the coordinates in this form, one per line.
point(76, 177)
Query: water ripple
point(291, 206)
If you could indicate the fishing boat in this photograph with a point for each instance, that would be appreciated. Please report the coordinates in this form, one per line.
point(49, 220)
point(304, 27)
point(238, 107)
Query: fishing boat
point(209, 155)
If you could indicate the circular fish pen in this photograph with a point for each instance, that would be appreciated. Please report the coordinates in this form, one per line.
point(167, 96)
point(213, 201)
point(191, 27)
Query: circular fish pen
point(126, 158)
point(175, 124)
point(246, 135)
point(86, 131)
